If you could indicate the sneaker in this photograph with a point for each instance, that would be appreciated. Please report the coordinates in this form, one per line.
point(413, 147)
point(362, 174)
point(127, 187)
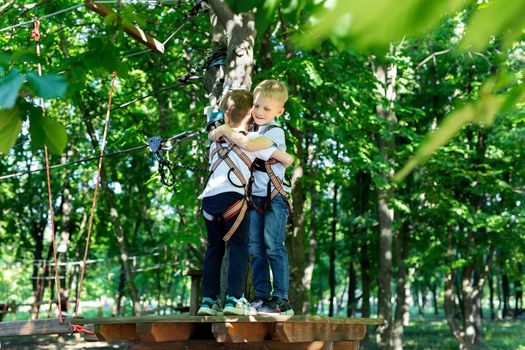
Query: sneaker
point(209, 307)
point(238, 307)
point(258, 302)
point(276, 306)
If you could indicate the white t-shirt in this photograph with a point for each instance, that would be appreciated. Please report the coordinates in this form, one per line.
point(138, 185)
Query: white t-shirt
point(259, 187)
point(219, 182)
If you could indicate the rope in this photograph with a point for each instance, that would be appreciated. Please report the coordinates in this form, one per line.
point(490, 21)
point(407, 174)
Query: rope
point(43, 17)
point(103, 145)
point(36, 36)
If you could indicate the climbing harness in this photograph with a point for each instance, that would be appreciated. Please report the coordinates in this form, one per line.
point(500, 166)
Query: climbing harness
point(278, 184)
point(240, 206)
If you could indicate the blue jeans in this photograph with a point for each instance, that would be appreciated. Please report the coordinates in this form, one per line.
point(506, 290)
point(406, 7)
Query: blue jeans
point(238, 243)
point(267, 249)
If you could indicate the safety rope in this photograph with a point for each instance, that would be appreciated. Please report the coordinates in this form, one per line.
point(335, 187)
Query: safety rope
point(102, 146)
point(35, 34)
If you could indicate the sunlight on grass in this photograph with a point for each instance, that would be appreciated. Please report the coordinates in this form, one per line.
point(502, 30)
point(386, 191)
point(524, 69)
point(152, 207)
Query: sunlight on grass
point(426, 333)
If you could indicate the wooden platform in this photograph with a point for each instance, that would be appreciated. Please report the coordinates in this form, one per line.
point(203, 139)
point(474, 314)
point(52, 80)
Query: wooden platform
point(211, 332)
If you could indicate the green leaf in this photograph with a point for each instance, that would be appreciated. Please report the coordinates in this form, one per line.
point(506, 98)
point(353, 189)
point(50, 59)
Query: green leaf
point(111, 19)
point(47, 86)
point(264, 15)
point(292, 9)
point(9, 87)
point(36, 130)
point(481, 111)
point(372, 27)
point(10, 126)
point(503, 18)
point(55, 136)
point(238, 6)
point(109, 58)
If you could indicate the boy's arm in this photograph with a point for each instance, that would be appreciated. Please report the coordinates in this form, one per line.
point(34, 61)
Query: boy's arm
point(211, 135)
point(251, 145)
point(283, 157)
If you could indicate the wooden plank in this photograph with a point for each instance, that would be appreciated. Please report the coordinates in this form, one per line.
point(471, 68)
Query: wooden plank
point(346, 345)
point(241, 332)
point(133, 30)
point(308, 331)
point(36, 327)
point(164, 332)
point(121, 331)
point(207, 345)
point(200, 319)
point(195, 291)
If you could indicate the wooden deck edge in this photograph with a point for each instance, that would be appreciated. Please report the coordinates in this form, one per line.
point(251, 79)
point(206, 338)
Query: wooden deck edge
point(37, 327)
point(211, 319)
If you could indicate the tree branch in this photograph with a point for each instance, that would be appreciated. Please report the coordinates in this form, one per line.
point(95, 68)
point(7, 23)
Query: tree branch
point(6, 5)
point(432, 55)
point(221, 9)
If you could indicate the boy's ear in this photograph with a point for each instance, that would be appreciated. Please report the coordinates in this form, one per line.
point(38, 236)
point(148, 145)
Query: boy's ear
point(281, 111)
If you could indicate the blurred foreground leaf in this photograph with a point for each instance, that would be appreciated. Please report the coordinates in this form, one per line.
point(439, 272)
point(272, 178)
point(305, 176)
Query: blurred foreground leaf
point(10, 126)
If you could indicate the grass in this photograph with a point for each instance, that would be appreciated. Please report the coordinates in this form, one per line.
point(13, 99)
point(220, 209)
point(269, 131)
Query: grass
point(432, 332)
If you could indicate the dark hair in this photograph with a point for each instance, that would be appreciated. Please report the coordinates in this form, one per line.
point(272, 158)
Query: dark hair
point(237, 104)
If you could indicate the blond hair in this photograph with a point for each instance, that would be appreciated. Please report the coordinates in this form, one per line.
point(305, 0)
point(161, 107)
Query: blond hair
point(273, 89)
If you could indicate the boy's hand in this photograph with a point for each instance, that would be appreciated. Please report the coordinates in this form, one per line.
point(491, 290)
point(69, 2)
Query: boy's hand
point(223, 130)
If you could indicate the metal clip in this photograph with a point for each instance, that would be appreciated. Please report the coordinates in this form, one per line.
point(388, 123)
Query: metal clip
point(154, 144)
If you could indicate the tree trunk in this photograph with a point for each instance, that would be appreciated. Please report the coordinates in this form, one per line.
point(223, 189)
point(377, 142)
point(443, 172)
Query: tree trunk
point(491, 297)
point(363, 185)
point(469, 336)
point(309, 270)
point(434, 299)
point(518, 294)
point(449, 293)
point(352, 286)
point(506, 294)
point(120, 291)
point(402, 242)
point(37, 234)
point(296, 235)
point(63, 245)
point(332, 252)
point(386, 77)
point(234, 33)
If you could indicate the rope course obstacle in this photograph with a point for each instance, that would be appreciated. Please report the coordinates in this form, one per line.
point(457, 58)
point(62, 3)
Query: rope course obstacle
point(154, 46)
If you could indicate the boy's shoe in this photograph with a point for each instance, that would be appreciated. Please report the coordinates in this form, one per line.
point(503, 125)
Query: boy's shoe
point(258, 302)
point(276, 306)
point(238, 307)
point(209, 307)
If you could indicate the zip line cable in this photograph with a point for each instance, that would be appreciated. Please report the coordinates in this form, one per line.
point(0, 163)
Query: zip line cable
point(83, 160)
point(123, 105)
point(42, 17)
